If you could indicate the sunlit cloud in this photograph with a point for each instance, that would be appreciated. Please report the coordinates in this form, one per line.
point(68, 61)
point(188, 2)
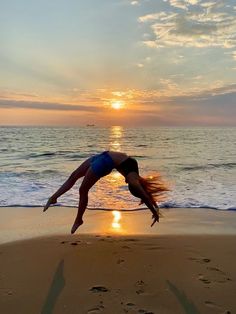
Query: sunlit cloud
point(13, 95)
point(182, 4)
point(209, 25)
point(134, 2)
point(234, 55)
point(19, 104)
point(179, 4)
point(149, 107)
point(140, 65)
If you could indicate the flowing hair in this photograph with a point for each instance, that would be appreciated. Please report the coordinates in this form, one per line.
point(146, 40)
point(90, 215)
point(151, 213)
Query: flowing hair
point(155, 187)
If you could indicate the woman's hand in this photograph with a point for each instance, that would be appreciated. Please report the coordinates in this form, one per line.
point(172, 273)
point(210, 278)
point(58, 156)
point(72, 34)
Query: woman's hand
point(156, 218)
point(52, 200)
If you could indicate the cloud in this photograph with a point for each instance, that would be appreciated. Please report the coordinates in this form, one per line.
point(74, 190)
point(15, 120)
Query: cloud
point(169, 94)
point(134, 2)
point(192, 24)
point(234, 55)
point(21, 104)
point(179, 4)
point(215, 106)
point(21, 95)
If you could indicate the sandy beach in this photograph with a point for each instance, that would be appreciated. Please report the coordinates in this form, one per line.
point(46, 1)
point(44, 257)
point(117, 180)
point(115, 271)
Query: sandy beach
point(117, 272)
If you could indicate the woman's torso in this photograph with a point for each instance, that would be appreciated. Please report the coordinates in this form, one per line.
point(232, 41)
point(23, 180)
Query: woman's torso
point(117, 157)
point(124, 163)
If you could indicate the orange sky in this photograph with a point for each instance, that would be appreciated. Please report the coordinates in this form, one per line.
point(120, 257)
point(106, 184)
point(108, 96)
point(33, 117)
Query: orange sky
point(167, 63)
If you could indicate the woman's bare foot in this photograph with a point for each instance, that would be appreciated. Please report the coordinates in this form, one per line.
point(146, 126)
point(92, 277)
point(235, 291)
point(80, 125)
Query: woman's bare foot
point(77, 223)
point(50, 201)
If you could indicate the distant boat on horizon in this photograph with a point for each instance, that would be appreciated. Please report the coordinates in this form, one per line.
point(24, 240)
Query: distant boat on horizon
point(90, 125)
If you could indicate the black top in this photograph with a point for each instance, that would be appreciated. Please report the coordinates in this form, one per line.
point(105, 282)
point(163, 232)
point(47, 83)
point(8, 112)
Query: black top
point(127, 166)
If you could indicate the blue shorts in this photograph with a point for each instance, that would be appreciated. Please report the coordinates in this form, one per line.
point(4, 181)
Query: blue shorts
point(102, 164)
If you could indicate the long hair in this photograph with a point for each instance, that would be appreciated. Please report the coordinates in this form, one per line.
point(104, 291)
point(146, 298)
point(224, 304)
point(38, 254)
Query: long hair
point(155, 187)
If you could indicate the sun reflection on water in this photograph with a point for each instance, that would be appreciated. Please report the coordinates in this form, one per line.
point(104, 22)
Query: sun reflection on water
point(116, 137)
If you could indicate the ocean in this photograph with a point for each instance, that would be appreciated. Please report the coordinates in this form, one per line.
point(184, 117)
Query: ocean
point(198, 163)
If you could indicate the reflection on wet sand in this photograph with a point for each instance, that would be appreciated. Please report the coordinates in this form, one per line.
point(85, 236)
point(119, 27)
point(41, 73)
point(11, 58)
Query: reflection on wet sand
point(116, 220)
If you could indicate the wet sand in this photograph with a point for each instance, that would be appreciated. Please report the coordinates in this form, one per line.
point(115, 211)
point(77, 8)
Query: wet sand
point(119, 274)
point(19, 223)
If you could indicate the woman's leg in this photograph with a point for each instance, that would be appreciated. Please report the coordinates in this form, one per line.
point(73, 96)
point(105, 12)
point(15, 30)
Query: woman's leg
point(75, 175)
point(89, 180)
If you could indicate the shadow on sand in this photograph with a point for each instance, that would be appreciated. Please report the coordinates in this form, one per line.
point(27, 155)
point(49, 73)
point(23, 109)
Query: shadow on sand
point(57, 286)
point(188, 305)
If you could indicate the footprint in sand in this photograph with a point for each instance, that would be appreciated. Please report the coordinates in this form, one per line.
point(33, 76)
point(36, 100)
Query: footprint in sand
point(217, 272)
point(156, 248)
point(131, 240)
point(94, 310)
point(129, 307)
point(221, 272)
point(99, 289)
point(120, 260)
point(141, 287)
point(132, 306)
point(73, 243)
point(212, 305)
point(200, 260)
point(9, 292)
point(224, 280)
point(216, 307)
point(97, 309)
point(126, 247)
point(203, 279)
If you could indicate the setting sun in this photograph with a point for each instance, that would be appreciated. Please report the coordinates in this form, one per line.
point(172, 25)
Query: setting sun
point(117, 104)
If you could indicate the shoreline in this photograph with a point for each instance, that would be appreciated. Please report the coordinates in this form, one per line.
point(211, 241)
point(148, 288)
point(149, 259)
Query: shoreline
point(24, 223)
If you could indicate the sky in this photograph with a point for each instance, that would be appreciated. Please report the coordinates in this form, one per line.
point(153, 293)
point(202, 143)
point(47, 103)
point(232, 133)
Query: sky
point(118, 62)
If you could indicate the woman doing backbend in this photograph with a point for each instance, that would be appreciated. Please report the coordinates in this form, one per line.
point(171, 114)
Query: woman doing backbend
point(149, 190)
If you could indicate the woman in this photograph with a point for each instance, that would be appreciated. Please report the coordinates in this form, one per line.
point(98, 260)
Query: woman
point(148, 190)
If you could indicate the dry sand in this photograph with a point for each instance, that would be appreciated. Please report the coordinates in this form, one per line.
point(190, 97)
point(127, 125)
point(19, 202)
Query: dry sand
point(115, 274)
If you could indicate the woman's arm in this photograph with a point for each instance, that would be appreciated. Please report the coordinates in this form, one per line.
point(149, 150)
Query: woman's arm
point(154, 210)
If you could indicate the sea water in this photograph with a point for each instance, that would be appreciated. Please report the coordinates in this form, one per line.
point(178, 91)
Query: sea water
point(198, 163)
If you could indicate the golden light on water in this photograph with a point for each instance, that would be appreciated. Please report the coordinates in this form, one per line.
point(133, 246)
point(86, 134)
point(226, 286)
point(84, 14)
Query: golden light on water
point(116, 220)
point(116, 176)
point(117, 131)
point(116, 137)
